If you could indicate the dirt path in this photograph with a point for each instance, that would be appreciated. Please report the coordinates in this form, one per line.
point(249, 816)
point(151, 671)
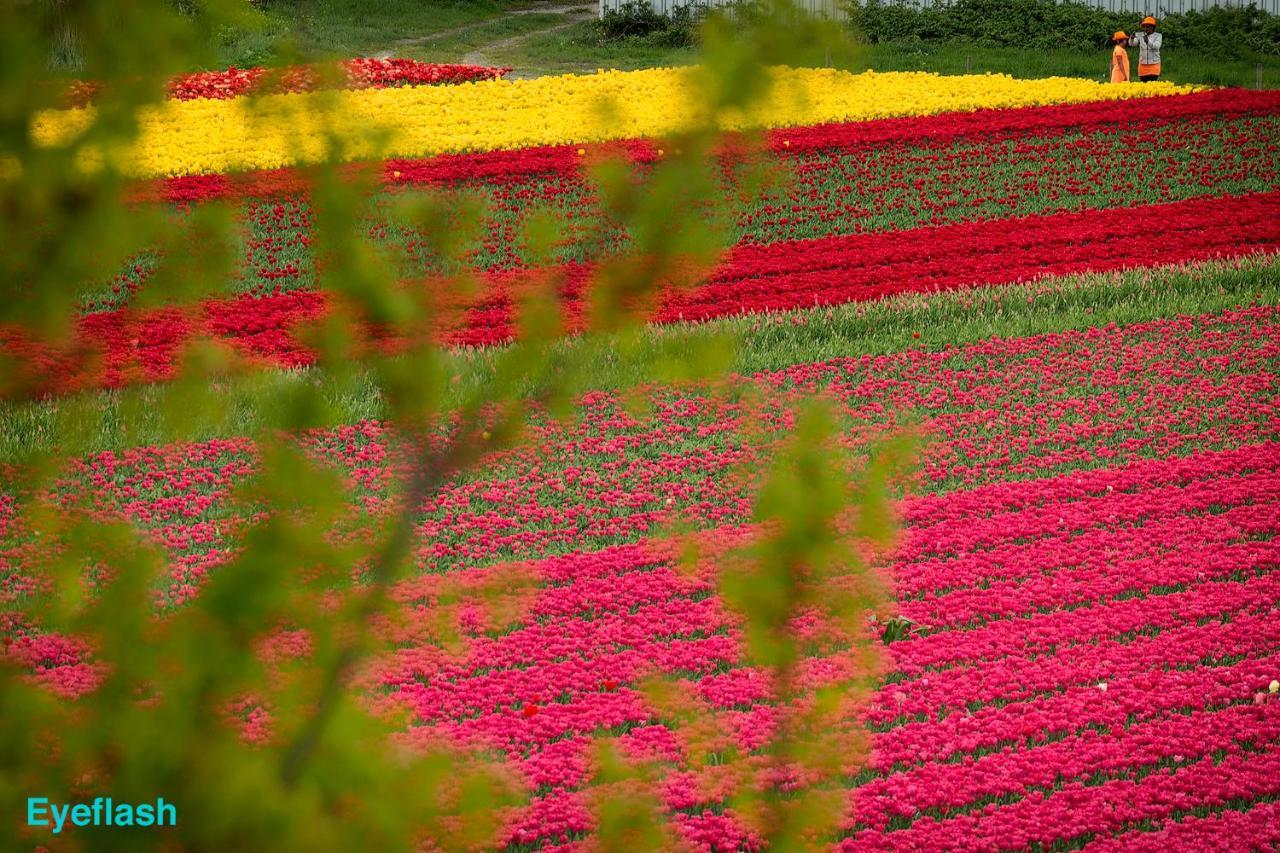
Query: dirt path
point(573, 13)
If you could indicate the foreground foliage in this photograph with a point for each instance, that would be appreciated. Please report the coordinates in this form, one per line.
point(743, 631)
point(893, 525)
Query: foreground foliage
point(237, 688)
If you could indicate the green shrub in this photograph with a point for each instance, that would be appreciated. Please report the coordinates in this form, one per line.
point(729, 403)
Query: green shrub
point(636, 20)
point(1226, 31)
point(1230, 33)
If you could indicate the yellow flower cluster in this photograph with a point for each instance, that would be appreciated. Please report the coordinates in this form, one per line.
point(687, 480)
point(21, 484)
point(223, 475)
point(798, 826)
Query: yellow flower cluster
point(210, 136)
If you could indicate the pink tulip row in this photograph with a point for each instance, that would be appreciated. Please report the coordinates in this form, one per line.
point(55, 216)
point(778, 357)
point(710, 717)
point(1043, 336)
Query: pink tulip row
point(1147, 691)
point(997, 664)
point(994, 513)
point(1086, 811)
point(1150, 714)
point(949, 788)
point(1087, 574)
point(1221, 830)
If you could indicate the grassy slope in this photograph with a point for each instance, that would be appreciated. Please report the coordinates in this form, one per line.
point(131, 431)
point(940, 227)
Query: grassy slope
point(772, 342)
point(453, 46)
point(336, 28)
point(576, 49)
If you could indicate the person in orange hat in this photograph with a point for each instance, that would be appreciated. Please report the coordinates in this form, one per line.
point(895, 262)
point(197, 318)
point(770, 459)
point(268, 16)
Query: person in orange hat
point(1148, 43)
point(1119, 58)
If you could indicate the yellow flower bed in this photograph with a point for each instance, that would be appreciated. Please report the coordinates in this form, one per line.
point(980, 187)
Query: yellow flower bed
point(209, 136)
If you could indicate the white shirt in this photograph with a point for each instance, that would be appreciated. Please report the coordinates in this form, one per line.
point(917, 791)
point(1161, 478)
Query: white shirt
point(1149, 54)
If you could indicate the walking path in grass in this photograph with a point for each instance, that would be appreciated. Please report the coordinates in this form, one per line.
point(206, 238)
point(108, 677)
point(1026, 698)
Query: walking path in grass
point(572, 15)
point(477, 43)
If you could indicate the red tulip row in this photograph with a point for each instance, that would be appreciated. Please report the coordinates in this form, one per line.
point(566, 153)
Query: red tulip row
point(134, 346)
point(836, 270)
point(359, 73)
point(997, 569)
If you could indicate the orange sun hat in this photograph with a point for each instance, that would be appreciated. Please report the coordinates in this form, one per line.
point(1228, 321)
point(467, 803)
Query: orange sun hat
point(1148, 20)
point(1119, 36)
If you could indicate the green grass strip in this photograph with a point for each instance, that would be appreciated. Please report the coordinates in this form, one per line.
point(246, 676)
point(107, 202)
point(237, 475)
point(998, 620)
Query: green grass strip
point(248, 405)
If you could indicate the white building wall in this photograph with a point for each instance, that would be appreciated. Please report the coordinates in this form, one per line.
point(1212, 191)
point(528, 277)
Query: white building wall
point(1137, 7)
point(825, 7)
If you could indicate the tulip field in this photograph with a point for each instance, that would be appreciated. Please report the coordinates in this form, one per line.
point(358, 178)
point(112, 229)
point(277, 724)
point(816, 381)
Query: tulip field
point(1073, 291)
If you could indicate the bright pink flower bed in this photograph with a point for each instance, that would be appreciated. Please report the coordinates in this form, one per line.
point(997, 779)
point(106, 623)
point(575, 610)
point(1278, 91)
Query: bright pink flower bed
point(1083, 709)
point(1085, 671)
point(1092, 563)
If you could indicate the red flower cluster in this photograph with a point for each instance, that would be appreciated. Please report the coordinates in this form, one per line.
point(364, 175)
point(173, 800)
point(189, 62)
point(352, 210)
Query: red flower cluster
point(834, 270)
point(350, 73)
point(1028, 121)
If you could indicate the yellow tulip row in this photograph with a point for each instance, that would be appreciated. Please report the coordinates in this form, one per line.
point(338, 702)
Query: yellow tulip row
point(213, 136)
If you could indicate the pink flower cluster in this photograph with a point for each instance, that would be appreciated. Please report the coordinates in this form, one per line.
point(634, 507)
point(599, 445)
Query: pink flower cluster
point(1086, 641)
point(997, 409)
point(1096, 615)
point(1100, 713)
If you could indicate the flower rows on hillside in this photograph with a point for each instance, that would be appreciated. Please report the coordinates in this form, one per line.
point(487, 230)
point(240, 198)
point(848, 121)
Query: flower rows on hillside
point(213, 136)
point(122, 346)
point(994, 410)
point(1013, 203)
point(1088, 584)
point(1092, 648)
point(1105, 707)
point(871, 135)
point(850, 188)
